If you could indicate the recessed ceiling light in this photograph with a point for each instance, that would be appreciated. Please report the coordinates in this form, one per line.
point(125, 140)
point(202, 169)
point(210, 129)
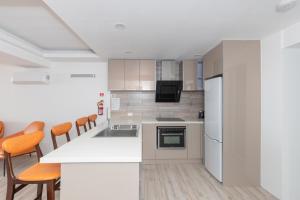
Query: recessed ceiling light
point(286, 5)
point(128, 52)
point(197, 55)
point(120, 26)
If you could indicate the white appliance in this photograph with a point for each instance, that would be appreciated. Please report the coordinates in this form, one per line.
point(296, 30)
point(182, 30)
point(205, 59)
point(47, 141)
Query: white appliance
point(213, 141)
point(30, 77)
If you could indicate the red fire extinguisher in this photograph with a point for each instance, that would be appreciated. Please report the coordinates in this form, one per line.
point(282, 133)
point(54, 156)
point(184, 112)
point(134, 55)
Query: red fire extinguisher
point(100, 104)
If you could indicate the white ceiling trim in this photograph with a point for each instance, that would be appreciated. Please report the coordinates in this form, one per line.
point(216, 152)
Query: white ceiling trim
point(20, 51)
point(14, 54)
point(19, 42)
point(80, 55)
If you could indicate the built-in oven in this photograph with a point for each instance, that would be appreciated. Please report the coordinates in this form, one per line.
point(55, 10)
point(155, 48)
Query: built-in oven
point(170, 137)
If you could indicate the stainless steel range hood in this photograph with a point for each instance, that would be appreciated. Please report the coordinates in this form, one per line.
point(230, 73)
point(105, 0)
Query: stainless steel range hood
point(168, 70)
point(169, 81)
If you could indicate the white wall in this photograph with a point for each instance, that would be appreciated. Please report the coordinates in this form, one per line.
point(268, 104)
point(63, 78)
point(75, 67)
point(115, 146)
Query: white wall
point(291, 36)
point(291, 125)
point(64, 99)
point(280, 165)
point(271, 114)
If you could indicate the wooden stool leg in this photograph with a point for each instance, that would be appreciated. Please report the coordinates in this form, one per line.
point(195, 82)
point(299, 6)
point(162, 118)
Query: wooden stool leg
point(50, 190)
point(39, 191)
point(4, 165)
point(10, 192)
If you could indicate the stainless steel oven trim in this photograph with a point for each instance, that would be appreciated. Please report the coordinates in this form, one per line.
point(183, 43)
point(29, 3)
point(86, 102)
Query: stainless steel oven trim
point(174, 134)
point(170, 148)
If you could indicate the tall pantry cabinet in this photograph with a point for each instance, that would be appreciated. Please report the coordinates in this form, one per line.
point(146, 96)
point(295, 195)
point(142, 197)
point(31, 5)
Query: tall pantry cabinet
point(239, 64)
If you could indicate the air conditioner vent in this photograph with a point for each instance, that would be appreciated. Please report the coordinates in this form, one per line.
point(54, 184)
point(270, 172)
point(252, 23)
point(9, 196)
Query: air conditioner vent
point(83, 75)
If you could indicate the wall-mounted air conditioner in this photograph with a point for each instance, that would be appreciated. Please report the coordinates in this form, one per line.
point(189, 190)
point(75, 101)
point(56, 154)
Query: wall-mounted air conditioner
point(30, 77)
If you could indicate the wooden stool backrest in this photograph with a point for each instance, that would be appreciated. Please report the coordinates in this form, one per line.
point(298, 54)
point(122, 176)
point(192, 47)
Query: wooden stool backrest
point(60, 129)
point(81, 122)
point(92, 119)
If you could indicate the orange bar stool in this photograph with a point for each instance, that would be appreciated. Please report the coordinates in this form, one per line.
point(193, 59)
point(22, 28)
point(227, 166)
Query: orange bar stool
point(1, 129)
point(81, 122)
point(32, 127)
point(59, 130)
point(39, 173)
point(92, 119)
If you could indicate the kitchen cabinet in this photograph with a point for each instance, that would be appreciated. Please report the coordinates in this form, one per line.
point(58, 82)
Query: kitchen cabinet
point(194, 141)
point(189, 68)
point(239, 63)
point(165, 154)
point(116, 74)
point(171, 154)
point(241, 112)
point(147, 74)
point(207, 66)
point(192, 73)
point(213, 62)
point(149, 141)
point(218, 60)
point(132, 75)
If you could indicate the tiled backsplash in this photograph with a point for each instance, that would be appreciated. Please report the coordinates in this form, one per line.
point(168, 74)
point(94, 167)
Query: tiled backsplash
point(142, 104)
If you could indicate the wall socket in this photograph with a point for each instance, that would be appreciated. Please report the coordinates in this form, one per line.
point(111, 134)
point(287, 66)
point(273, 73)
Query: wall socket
point(129, 114)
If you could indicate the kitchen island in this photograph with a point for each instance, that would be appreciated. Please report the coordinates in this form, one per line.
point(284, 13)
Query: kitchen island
point(99, 167)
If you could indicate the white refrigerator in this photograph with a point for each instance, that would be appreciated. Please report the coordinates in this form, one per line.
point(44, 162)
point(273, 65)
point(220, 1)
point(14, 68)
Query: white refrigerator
point(213, 124)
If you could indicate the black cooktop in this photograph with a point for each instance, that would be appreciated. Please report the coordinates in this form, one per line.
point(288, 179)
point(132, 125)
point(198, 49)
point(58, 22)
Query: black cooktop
point(169, 119)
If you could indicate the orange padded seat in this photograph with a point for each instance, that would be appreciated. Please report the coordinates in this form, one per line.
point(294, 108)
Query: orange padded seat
point(40, 172)
point(32, 127)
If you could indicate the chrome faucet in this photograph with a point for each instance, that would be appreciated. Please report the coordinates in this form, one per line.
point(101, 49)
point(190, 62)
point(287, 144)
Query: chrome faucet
point(108, 117)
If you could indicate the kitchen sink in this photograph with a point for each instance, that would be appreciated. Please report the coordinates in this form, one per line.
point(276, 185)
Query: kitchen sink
point(117, 133)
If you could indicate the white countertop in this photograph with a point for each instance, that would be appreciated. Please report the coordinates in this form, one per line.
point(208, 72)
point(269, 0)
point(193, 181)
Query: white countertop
point(86, 148)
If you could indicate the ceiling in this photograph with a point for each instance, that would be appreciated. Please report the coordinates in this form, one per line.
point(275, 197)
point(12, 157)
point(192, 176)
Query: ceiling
point(168, 29)
point(32, 21)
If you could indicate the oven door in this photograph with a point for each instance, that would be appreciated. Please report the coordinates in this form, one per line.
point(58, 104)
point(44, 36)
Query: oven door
point(171, 137)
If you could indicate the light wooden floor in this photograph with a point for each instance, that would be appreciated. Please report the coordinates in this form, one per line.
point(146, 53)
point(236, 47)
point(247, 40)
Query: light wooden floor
point(162, 182)
point(191, 182)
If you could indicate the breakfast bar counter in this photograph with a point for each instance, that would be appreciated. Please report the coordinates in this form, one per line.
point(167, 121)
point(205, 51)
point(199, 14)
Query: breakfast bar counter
point(93, 167)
